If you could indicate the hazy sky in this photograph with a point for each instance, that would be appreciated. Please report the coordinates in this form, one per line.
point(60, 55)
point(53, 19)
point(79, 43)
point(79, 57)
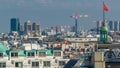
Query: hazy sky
point(56, 12)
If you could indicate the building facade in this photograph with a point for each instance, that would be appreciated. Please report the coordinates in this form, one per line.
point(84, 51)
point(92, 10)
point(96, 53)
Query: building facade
point(18, 58)
point(99, 24)
point(36, 28)
point(14, 24)
point(32, 29)
point(112, 25)
point(28, 27)
point(116, 26)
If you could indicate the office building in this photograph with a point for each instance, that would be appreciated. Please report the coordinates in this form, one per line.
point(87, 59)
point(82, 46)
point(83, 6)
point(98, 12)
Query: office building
point(36, 28)
point(116, 26)
point(28, 27)
point(21, 30)
point(111, 25)
point(99, 24)
point(14, 24)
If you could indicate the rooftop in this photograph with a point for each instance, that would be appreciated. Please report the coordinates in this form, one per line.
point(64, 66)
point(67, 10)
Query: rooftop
point(3, 48)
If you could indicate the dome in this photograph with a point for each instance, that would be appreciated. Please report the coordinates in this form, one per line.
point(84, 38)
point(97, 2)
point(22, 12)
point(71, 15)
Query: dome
point(104, 28)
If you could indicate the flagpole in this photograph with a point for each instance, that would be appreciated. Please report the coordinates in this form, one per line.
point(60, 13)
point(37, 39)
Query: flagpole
point(103, 14)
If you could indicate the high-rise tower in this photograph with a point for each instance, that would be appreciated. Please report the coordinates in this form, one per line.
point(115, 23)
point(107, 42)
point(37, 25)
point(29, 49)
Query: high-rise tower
point(36, 28)
point(28, 27)
point(99, 23)
point(116, 25)
point(111, 25)
point(14, 24)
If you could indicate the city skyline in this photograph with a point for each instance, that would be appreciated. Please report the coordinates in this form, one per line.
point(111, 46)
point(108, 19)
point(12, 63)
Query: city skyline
point(55, 12)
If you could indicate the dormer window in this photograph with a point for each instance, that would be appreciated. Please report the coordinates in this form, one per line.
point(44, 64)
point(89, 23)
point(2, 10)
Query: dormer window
point(14, 54)
point(42, 54)
point(57, 53)
point(1, 54)
point(30, 54)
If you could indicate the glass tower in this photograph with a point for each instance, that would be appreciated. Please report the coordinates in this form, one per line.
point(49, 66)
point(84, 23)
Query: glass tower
point(15, 24)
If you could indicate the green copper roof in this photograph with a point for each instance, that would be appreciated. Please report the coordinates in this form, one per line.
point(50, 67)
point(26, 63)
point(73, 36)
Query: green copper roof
point(41, 50)
point(57, 50)
point(20, 52)
point(49, 52)
point(30, 50)
point(7, 52)
point(104, 28)
point(3, 48)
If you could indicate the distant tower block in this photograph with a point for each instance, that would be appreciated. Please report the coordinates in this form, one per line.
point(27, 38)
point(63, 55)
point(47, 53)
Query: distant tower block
point(28, 27)
point(14, 24)
point(104, 33)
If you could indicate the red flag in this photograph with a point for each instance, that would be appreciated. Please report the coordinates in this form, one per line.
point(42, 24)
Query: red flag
point(105, 7)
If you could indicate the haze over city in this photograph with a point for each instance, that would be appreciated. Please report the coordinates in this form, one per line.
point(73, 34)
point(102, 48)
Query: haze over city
point(55, 12)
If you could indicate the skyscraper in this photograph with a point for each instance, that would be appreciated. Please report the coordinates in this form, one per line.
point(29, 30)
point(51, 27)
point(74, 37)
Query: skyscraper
point(36, 28)
point(15, 24)
point(111, 25)
point(116, 25)
point(28, 27)
point(21, 29)
point(99, 24)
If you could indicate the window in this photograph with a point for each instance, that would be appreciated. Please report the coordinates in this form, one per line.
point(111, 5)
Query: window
point(2, 65)
point(31, 54)
point(35, 64)
point(42, 54)
point(14, 54)
point(86, 44)
point(46, 63)
point(18, 64)
point(61, 63)
point(57, 53)
point(1, 54)
point(85, 39)
point(76, 39)
point(80, 39)
point(89, 39)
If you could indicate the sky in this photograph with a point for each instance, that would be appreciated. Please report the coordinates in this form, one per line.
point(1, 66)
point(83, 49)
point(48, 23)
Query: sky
point(56, 12)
